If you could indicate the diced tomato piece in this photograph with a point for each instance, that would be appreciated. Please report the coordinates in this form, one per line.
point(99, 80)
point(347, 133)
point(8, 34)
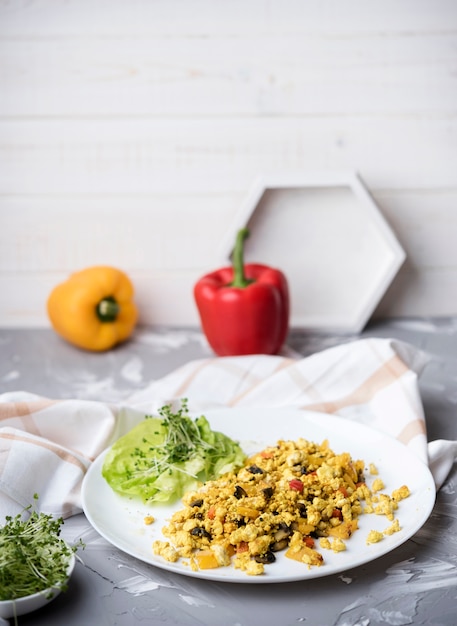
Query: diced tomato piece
point(296, 484)
point(344, 491)
point(243, 546)
point(266, 454)
point(212, 512)
point(309, 541)
point(337, 513)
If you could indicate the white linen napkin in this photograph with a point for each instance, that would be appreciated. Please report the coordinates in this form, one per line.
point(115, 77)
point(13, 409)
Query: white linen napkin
point(46, 446)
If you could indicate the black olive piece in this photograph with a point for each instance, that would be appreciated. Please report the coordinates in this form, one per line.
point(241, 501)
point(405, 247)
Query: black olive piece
point(240, 522)
point(268, 557)
point(301, 509)
point(196, 502)
point(198, 531)
point(303, 470)
point(255, 469)
point(239, 492)
point(283, 532)
point(268, 492)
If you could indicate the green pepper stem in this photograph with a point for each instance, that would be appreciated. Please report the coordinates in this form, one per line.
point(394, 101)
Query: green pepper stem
point(239, 277)
point(107, 309)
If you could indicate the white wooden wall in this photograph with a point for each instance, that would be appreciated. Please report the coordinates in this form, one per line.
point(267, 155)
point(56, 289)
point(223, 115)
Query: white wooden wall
point(131, 131)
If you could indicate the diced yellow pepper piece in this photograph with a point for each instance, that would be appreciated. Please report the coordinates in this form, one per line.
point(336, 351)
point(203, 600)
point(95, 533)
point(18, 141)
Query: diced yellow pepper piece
point(305, 555)
point(206, 559)
point(246, 511)
point(344, 530)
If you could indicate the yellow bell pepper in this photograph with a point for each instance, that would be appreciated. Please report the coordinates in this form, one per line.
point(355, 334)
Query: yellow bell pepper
point(94, 308)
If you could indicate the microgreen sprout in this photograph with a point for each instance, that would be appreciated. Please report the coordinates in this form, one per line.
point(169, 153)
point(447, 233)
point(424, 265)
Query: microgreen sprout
point(33, 558)
point(182, 440)
point(183, 435)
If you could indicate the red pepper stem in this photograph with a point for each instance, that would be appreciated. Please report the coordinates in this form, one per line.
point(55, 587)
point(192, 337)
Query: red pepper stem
point(239, 278)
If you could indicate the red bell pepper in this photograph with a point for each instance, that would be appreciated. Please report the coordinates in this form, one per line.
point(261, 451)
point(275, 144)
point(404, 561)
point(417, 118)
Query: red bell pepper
point(244, 309)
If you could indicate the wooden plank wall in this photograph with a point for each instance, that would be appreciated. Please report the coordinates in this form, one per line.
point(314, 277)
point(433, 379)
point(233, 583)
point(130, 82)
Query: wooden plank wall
point(130, 132)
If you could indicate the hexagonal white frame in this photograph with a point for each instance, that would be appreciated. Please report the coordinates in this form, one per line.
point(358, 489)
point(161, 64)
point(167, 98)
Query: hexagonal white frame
point(325, 232)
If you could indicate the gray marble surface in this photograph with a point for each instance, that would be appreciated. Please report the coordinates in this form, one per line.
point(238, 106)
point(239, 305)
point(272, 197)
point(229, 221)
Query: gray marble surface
point(414, 584)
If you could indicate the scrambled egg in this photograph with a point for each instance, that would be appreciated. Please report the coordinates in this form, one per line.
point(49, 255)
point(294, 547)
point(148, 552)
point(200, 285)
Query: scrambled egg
point(285, 498)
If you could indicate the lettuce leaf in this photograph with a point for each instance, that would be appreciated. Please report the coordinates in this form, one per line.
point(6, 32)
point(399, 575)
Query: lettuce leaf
point(163, 457)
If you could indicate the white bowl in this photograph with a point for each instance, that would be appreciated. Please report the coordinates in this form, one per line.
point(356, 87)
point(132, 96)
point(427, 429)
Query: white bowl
point(27, 604)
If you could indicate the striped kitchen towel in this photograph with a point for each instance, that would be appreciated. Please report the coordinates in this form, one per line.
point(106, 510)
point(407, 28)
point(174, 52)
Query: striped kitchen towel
point(46, 446)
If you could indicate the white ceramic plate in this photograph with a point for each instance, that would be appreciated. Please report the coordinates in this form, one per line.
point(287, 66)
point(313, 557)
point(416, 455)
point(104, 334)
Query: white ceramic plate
point(27, 604)
point(120, 520)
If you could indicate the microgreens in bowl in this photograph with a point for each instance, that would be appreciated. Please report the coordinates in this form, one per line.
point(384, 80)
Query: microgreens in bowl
point(33, 557)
